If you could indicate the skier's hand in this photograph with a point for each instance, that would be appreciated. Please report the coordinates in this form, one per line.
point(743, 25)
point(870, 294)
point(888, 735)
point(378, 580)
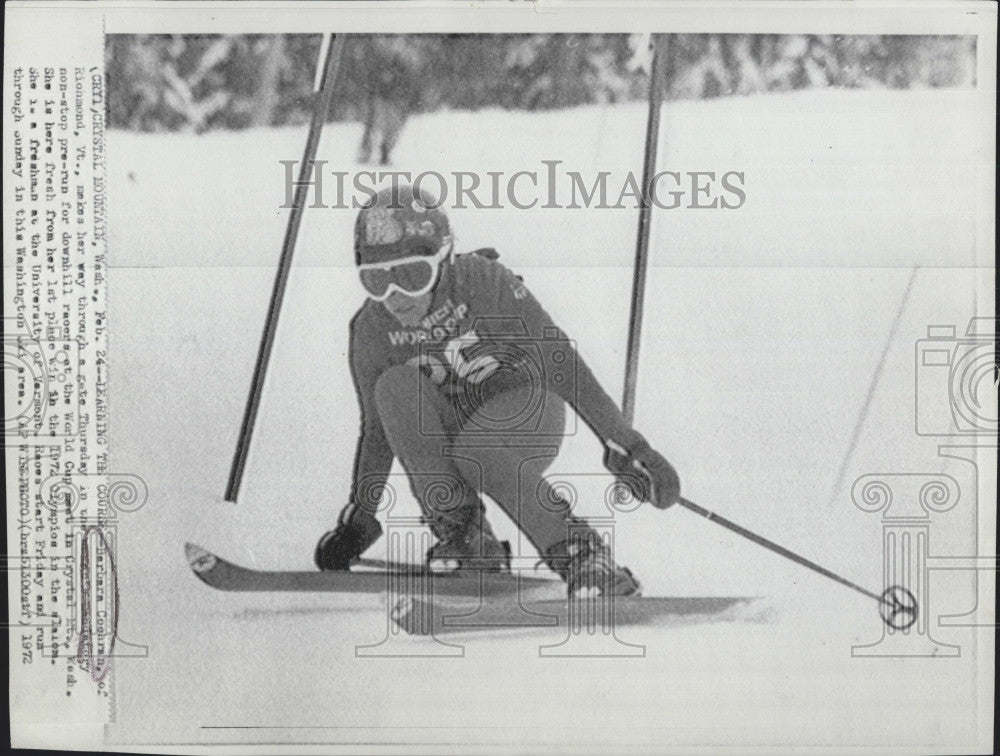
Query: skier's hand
point(352, 536)
point(645, 471)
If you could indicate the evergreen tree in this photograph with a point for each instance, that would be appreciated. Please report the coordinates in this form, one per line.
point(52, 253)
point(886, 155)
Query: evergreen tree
point(200, 82)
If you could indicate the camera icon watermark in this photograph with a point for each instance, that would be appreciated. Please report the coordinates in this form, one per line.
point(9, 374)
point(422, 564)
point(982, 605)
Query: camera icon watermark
point(499, 380)
point(41, 375)
point(956, 380)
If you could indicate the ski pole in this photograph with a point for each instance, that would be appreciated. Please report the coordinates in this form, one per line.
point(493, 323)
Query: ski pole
point(897, 605)
point(771, 545)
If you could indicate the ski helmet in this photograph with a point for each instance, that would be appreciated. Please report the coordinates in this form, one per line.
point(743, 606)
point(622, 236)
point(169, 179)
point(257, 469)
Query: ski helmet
point(399, 222)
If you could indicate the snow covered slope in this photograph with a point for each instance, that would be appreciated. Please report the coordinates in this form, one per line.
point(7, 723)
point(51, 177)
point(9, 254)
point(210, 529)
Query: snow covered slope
point(765, 328)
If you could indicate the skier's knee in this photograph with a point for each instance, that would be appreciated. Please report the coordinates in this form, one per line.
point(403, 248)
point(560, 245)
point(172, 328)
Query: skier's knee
point(469, 468)
point(397, 388)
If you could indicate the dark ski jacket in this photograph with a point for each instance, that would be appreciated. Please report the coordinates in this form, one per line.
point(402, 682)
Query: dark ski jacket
point(484, 333)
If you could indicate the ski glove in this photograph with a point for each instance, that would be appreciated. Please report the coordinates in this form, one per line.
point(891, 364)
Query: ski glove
point(349, 540)
point(648, 476)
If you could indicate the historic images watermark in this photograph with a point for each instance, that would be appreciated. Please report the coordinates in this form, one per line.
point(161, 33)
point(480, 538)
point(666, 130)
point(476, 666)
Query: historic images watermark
point(545, 187)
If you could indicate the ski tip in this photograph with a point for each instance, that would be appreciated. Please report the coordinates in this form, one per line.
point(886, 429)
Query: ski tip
point(199, 559)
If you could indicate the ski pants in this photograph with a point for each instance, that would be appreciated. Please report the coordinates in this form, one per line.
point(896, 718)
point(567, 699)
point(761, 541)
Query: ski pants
point(502, 450)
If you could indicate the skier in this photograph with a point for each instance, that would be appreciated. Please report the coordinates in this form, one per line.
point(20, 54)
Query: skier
point(457, 368)
point(389, 72)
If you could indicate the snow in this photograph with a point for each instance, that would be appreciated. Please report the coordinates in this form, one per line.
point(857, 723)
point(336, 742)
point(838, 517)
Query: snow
point(763, 329)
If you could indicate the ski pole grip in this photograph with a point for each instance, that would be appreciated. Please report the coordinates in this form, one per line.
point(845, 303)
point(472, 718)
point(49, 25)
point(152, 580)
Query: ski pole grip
point(618, 462)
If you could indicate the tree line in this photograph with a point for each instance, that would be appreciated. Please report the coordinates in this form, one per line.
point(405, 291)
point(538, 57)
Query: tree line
point(196, 83)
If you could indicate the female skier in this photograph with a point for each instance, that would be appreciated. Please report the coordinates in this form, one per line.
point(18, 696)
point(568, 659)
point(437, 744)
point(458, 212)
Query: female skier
point(464, 377)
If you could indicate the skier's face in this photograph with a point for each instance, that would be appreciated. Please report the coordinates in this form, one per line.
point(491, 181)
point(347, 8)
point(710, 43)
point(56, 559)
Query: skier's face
point(409, 310)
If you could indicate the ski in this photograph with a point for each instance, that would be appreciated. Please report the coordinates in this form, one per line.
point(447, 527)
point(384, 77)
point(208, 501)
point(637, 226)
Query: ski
point(376, 576)
point(417, 616)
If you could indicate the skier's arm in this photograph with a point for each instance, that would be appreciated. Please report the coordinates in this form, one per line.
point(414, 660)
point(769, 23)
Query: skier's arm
point(568, 377)
point(373, 458)
point(357, 527)
point(582, 391)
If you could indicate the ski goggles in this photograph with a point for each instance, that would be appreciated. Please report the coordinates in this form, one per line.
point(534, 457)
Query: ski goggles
point(413, 275)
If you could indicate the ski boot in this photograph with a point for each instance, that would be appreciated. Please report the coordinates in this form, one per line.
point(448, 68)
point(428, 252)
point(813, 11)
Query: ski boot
point(586, 564)
point(472, 547)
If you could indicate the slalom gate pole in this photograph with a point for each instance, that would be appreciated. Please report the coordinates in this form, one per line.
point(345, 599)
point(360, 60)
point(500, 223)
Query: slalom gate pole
point(656, 81)
point(327, 68)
